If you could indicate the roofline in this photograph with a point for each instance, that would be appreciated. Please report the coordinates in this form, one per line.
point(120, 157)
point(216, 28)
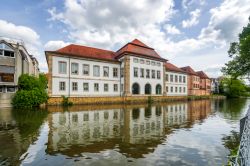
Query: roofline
point(176, 71)
point(149, 57)
point(79, 56)
point(135, 45)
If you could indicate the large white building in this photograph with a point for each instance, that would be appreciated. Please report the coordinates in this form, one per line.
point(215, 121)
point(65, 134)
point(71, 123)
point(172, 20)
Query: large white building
point(176, 81)
point(79, 71)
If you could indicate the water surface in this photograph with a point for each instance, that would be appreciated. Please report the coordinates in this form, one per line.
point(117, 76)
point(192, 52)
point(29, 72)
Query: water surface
point(180, 133)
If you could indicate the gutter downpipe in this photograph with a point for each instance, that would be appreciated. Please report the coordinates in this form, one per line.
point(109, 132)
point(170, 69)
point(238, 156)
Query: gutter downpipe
point(69, 77)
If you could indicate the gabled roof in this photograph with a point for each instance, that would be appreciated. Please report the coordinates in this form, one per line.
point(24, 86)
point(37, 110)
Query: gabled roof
point(86, 52)
point(189, 70)
point(135, 47)
point(171, 67)
point(140, 49)
point(202, 74)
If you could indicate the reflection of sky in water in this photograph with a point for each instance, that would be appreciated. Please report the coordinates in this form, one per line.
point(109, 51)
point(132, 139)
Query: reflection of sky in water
point(183, 133)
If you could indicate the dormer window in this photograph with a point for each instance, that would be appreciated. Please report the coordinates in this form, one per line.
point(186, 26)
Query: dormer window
point(6, 51)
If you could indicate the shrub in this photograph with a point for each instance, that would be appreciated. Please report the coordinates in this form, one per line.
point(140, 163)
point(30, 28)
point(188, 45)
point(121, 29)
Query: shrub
point(31, 92)
point(66, 101)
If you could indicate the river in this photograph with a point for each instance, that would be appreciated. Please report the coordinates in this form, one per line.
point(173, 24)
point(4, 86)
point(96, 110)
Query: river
point(197, 132)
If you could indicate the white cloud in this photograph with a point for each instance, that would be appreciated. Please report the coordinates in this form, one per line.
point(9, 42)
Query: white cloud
point(54, 45)
point(187, 4)
point(29, 36)
point(193, 20)
point(171, 29)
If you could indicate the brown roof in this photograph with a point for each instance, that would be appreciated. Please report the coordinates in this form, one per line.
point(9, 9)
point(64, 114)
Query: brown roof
point(189, 70)
point(138, 48)
point(202, 74)
point(87, 52)
point(171, 67)
point(135, 47)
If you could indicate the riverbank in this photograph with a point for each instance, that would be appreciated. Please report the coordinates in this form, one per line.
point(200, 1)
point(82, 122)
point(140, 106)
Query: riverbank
point(127, 99)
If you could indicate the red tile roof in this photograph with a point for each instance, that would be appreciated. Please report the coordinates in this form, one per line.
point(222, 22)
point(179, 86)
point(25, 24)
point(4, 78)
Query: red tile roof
point(134, 47)
point(171, 67)
point(189, 70)
point(87, 52)
point(138, 48)
point(202, 74)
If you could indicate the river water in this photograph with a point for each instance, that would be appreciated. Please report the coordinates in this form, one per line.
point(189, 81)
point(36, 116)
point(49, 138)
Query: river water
point(180, 133)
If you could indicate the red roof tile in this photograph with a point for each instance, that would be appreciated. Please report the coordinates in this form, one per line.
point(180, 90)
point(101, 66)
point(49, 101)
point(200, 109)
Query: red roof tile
point(171, 67)
point(189, 70)
point(202, 74)
point(87, 52)
point(138, 48)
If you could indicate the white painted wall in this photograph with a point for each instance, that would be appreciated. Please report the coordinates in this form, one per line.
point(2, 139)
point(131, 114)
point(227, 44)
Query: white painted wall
point(143, 81)
point(80, 78)
point(177, 84)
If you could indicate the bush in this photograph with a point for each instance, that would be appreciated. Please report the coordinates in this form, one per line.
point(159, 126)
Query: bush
point(66, 101)
point(31, 92)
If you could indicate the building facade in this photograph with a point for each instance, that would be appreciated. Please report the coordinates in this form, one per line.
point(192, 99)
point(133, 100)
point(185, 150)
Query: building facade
point(176, 81)
point(14, 61)
point(134, 70)
point(79, 71)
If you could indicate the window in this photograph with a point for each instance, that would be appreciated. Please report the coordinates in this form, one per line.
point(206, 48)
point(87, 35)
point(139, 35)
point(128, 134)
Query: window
point(171, 78)
point(153, 73)
point(122, 72)
point(1, 89)
point(184, 90)
point(171, 89)
point(105, 71)
point(85, 69)
point(158, 64)
point(148, 62)
point(135, 72)
point(96, 87)
point(176, 78)
point(96, 70)
point(167, 77)
point(62, 86)
point(62, 67)
point(147, 73)
point(122, 87)
point(74, 68)
point(184, 79)
point(115, 72)
point(115, 87)
point(152, 63)
point(135, 60)
point(85, 87)
point(1, 52)
point(10, 89)
point(158, 74)
point(9, 53)
point(142, 61)
point(166, 88)
point(176, 89)
point(180, 78)
point(106, 87)
point(142, 73)
point(74, 86)
point(180, 89)
point(5, 77)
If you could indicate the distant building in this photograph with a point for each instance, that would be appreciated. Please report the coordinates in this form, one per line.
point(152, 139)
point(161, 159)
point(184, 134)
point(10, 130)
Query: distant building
point(14, 61)
point(176, 81)
point(205, 83)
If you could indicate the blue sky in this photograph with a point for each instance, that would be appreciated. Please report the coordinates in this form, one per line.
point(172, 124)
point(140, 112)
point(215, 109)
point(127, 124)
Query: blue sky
point(186, 32)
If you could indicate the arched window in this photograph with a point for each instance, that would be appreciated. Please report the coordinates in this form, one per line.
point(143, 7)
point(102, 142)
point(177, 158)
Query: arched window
point(135, 88)
point(158, 89)
point(147, 89)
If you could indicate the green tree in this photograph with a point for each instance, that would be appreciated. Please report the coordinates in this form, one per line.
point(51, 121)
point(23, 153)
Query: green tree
point(232, 87)
point(239, 51)
point(31, 91)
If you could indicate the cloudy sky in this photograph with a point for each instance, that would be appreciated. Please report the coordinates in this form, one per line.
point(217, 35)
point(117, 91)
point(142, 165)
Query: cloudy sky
point(186, 32)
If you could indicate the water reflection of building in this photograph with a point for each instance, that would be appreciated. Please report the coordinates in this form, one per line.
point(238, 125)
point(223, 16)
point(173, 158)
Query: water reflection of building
point(176, 114)
point(83, 127)
point(199, 109)
point(143, 124)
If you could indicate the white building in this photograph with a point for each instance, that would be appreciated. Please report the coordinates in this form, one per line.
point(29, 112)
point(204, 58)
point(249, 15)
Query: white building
point(79, 71)
point(176, 81)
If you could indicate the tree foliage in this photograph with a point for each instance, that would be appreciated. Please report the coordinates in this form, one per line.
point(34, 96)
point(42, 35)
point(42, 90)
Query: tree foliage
point(240, 53)
point(31, 91)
